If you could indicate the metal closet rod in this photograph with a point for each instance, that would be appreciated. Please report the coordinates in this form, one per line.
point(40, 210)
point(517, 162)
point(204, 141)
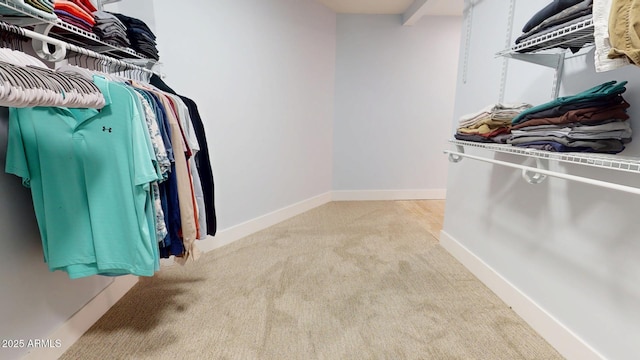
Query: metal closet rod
point(529, 169)
point(59, 43)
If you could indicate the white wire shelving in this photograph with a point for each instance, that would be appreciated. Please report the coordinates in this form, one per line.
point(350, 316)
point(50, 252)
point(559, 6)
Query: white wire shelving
point(59, 29)
point(550, 49)
point(572, 36)
point(538, 173)
point(605, 161)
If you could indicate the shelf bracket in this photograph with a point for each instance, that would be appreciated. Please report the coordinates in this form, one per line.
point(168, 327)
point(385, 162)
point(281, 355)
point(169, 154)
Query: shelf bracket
point(528, 172)
point(554, 61)
point(533, 177)
point(455, 158)
point(549, 60)
point(42, 47)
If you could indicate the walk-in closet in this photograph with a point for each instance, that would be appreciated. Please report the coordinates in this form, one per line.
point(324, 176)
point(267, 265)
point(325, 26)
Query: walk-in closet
point(319, 179)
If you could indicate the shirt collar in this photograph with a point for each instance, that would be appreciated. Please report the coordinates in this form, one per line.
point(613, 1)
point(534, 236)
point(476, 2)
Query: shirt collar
point(103, 85)
point(83, 114)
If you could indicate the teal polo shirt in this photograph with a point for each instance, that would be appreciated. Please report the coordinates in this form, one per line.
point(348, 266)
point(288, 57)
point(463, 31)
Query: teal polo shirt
point(89, 172)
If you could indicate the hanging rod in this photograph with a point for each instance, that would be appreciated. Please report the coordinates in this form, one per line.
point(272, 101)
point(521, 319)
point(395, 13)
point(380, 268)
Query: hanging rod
point(456, 156)
point(41, 42)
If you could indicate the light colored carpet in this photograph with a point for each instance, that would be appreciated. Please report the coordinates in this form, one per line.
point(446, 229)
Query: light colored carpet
point(348, 280)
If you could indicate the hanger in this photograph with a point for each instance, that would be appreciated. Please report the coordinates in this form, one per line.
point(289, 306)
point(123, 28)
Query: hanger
point(26, 81)
point(35, 86)
point(22, 87)
point(16, 85)
point(85, 91)
point(10, 91)
point(45, 91)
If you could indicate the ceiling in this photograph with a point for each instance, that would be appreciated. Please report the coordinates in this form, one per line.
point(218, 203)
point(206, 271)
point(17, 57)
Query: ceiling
point(433, 7)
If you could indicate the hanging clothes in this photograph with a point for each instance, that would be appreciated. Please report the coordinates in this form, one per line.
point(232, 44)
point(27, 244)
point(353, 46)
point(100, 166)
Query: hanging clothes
point(624, 24)
point(602, 40)
point(110, 161)
point(89, 172)
point(183, 189)
point(113, 186)
point(202, 158)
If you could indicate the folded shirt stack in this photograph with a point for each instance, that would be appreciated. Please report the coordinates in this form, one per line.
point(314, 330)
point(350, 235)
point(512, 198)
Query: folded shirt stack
point(594, 120)
point(491, 124)
point(556, 15)
point(141, 37)
point(76, 12)
point(43, 8)
point(44, 5)
point(110, 29)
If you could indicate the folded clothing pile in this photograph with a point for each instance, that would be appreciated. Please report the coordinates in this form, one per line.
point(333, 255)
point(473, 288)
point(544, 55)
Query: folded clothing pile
point(491, 124)
point(556, 15)
point(110, 29)
point(44, 5)
point(76, 12)
point(141, 37)
point(43, 8)
point(594, 120)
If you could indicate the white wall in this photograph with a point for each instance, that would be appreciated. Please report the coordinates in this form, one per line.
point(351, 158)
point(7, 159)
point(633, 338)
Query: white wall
point(573, 249)
point(395, 88)
point(262, 74)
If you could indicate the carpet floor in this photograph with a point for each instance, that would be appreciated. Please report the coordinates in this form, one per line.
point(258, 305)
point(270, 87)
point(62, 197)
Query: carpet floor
point(347, 280)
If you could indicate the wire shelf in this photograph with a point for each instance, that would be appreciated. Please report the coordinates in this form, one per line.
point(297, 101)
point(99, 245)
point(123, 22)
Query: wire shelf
point(605, 161)
point(66, 31)
point(573, 36)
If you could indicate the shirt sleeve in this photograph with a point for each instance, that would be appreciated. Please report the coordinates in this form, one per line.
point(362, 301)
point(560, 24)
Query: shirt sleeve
point(187, 124)
point(16, 160)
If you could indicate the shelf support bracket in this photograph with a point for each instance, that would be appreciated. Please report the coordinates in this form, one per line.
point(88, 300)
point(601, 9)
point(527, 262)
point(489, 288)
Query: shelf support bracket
point(455, 158)
point(549, 60)
point(533, 177)
point(554, 61)
point(42, 47)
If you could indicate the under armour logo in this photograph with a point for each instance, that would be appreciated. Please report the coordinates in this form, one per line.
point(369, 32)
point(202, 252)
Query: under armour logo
point(104, 128)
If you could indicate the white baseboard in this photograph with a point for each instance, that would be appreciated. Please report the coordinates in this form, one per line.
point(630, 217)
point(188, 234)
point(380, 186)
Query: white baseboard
point(364, 195)
point(239, 231)
point(559, 336)
point(82, 320)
